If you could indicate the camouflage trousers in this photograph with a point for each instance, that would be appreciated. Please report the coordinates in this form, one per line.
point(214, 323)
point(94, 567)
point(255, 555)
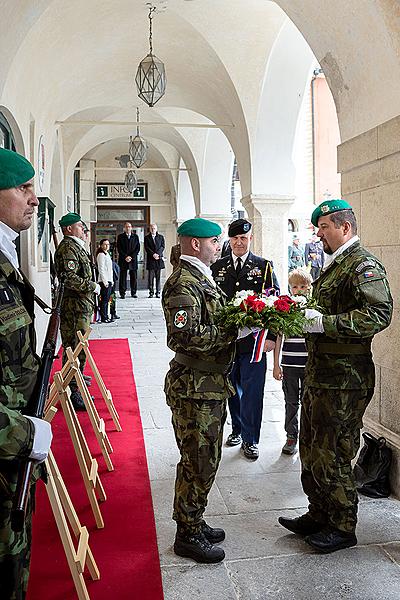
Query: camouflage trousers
point(331, 420)
point(198, 427)
point(15, 552)
point(75, 316)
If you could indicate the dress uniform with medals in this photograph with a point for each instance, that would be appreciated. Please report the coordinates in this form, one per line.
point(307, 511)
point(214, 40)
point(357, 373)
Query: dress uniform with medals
point(246, 406)
point(73, 264)
point(355, 301)
point(20, 437)
point(196, 387)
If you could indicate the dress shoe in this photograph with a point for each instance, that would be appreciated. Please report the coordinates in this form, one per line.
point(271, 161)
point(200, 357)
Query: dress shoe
point(233, 439)
point(77, 400)
point(122, 296)
point(304, 525)
point(215, 535)
point(134, 295)
point(115, 317)
point(158, 295)
point(197, 547)
point(291, 445)
point(330, 539)
point(250, 450)
point(151, 295)
point(106, 321)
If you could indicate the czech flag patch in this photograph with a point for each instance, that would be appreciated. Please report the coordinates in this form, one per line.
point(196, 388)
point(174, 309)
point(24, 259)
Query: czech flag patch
point(368, 274)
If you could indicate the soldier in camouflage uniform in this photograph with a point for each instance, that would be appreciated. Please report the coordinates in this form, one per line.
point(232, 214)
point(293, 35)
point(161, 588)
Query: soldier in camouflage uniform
point(354, 297)
point(20, 437)
point(197, 385)
point(73, 264)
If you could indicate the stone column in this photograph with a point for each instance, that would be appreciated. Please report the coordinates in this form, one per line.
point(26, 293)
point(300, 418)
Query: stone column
point(269, 216)
point(370, 167)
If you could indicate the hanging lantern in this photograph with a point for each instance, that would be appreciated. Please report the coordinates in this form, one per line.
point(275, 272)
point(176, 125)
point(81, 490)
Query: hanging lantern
point(137, 146)
point(150, 77)
point(130, 183)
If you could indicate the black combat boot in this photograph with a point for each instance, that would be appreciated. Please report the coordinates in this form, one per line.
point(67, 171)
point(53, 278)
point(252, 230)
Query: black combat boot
point(87, 379)
point(330, 539)
point(215, 535)
point(197, 547)
point(77, 400)
point(304, 525)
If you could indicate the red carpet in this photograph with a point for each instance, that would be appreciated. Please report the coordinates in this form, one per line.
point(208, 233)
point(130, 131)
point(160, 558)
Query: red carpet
point(126, 549)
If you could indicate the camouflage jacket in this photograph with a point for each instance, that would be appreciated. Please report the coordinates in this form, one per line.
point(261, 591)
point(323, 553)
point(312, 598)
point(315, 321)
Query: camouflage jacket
point(73, 263)
point(190, 302)
point(19, 364)
point(354, 296)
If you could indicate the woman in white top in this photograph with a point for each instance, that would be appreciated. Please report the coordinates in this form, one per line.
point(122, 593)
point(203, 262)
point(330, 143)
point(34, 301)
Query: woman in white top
point(105, 278)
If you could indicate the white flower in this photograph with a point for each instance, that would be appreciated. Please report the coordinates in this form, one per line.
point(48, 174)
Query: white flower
point(269, 301)
point(302, 300)
point(240, 296)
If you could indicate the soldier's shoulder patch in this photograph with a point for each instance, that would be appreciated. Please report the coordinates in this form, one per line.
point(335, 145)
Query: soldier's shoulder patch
point(180, 319)
point(71, 265)
point(366, 264)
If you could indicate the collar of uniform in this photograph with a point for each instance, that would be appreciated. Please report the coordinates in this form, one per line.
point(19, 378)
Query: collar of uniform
point(242, 258)
point(80, 242)
point(337, 255)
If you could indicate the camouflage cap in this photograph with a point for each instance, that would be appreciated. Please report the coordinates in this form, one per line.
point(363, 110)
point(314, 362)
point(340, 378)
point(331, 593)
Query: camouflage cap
point(69, 219)
point(239, 227)
point(14, 169)
point(200, 228)
point(328, 207)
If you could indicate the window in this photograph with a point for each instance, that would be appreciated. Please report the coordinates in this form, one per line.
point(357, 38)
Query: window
point(6, 137)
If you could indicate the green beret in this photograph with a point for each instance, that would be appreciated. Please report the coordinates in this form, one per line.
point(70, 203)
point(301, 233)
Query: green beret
point(328, 207)
point(14, 169)
point(69, 219)
point(201, 228)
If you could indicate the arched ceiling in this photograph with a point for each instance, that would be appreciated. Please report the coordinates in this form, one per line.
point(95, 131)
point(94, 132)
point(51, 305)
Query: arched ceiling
point(63, 59)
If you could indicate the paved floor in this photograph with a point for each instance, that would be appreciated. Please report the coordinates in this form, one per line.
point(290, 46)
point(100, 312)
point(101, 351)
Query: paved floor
point(262, 560)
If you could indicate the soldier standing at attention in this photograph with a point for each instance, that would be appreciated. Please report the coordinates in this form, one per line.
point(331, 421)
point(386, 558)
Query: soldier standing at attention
point(242, 270)
point(20, 437)
point(72, 262)
point(197, 385)
point(356, 303)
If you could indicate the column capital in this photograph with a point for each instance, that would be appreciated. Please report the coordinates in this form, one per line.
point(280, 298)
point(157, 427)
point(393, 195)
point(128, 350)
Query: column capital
point(266, 201)
point(222, 219)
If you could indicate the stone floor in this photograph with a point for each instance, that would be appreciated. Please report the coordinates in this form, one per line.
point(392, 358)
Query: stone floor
point(262, 559)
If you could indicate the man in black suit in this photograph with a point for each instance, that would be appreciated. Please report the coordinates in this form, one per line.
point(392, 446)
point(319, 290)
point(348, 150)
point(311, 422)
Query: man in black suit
point(242, 270)
point(154, 246)
point(128, 247)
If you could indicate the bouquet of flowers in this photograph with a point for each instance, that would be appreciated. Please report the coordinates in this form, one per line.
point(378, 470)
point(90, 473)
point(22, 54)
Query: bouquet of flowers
point(283, 315)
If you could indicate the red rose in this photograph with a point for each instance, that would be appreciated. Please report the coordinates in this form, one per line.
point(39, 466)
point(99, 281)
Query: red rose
point(282, 305)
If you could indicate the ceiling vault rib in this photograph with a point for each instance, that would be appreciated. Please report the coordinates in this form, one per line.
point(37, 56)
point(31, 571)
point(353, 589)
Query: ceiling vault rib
point(128, 169)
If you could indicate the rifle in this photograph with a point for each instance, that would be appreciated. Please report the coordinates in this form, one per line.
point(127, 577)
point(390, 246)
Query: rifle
point(35, 408)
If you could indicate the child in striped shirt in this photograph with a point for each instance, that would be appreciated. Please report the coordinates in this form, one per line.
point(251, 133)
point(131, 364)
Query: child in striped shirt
point(290, 366)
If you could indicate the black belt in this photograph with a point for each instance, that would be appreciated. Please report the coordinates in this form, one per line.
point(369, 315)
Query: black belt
point(200, 365)
point(343, 349)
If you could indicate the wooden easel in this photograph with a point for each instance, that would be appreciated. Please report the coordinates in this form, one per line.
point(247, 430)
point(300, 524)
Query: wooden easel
point(87, 464)
point(84, 345)
point(64, 513)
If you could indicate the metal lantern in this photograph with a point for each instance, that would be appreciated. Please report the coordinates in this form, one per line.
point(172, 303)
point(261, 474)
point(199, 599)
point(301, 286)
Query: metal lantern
point(150, 77)
point(137, 146)
point(130, 183)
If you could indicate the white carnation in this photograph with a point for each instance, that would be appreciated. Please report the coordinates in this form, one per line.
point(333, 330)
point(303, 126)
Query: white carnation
point(302, 300)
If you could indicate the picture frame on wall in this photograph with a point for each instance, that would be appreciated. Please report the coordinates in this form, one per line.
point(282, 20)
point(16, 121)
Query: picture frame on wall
point(45, 221)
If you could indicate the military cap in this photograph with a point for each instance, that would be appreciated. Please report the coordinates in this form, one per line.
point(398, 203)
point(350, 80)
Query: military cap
point(239, 227)
point(69, 219)
point(328, 207)
point(201, 228)
point(14, 169)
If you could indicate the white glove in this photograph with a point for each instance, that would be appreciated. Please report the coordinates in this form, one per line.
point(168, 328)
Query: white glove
point(97, 289)
point(245, 331)
point(314, 322)
point(42, 439)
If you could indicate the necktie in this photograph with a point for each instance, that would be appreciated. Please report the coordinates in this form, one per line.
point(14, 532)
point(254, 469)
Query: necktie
point(238, 266)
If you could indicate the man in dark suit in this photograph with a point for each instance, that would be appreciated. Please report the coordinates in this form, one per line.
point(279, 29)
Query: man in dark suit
point(314, 256)
point(154, 245)
point(242, 270)
point(128, 247)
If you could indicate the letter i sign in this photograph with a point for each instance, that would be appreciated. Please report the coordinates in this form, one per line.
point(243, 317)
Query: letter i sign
point(180, 319)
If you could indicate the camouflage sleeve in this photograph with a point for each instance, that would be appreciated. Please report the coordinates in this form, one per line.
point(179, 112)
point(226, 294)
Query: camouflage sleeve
point(185, 327)
point(374, 306)
point(67, 265)
point(16, 434)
